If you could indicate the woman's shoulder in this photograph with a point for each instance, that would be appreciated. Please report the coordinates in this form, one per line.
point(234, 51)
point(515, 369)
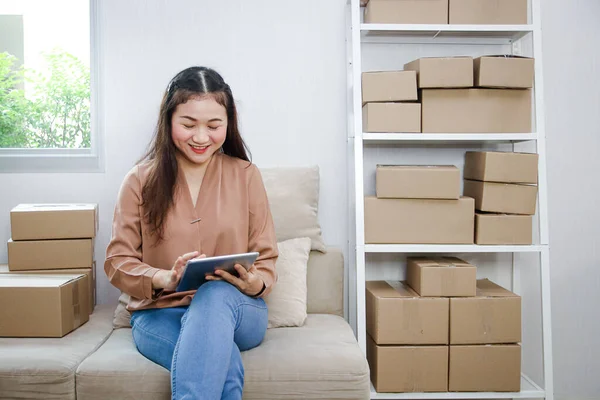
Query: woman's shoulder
point(238, 166)
point(138, 174)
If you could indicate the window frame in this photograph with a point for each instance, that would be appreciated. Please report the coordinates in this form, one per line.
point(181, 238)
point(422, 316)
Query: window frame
point(68, 160)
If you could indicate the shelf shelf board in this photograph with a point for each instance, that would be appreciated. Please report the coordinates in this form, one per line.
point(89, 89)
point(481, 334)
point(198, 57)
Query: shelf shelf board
point(450, 248)
point(441, 32)
point(529, 390)
point(415, 138)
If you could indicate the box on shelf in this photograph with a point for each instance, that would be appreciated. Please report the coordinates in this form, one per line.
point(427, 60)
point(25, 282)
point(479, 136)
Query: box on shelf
point(484, 12)
point(47, 306)
point(506, 198)
point(90, 273)
point(406, 12)
point(24, 255)
point(408, 368)
point(505, 229)
point(389, 86)
point(504, 71)
point(492, 316)
point(53, 221)
point(418, 181)
point(505, 167)
point(441, 276)
point(392, 117)
point(487, 368)
point(476, 111)
point(396, 314)
point(442, 72)
point(419, 221)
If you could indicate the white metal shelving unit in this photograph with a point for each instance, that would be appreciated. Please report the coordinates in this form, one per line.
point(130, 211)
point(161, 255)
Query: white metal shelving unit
point(360, 34)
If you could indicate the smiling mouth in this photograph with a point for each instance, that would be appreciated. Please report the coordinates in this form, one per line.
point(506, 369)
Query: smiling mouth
point(199, 149)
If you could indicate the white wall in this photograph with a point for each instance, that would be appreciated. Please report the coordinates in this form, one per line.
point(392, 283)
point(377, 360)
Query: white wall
point(285, 61)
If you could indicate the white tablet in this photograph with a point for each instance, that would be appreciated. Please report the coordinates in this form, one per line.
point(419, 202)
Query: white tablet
point(196, 269)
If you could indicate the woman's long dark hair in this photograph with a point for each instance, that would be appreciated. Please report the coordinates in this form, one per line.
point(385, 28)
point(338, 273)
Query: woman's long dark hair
point(159, 189)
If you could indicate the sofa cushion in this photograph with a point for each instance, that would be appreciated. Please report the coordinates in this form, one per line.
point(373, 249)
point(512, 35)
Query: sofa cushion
point(320, 360)
point(40, 368)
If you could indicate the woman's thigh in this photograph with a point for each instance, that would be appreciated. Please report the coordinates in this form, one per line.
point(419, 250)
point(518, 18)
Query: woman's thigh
point(155, 333)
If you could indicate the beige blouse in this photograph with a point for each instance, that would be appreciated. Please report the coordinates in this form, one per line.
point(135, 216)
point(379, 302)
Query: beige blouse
point(232, 214)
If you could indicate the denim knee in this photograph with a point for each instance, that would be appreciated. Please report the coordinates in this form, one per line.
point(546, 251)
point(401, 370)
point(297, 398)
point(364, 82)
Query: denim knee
point(218, 293)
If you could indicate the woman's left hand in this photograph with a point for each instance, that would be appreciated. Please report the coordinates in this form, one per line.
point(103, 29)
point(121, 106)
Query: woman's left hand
point(248, 282)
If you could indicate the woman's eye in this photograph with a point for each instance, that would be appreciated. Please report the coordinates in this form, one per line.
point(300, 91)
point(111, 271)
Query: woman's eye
point(188, 126)
point(213, 128)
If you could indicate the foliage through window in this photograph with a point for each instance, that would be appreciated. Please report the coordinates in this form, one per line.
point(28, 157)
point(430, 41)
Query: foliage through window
point(44, 74)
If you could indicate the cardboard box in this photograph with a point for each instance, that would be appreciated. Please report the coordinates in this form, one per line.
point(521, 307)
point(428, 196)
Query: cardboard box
point(25, 255)
point(504, 71)
point(406, 12)
point(418, 182)
point(502, 197)
point(90, 273)
point(493, 316)
point(484, 12)
point(441, 276)
point(389, 86)
point(396, 314)
point(505, 167)
point(488, 368)
point(53, 221)
point(408, 368)
point(503, 229)
point(443, 72)
point(392, 117)
point(476, 111)
point(419, 221)
point(47, 306)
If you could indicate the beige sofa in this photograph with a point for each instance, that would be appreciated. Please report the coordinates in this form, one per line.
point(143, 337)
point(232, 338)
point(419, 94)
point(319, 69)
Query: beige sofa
point(320, 360)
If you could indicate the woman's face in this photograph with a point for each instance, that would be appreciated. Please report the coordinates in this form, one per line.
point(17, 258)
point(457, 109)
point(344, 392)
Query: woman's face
point(199, 128)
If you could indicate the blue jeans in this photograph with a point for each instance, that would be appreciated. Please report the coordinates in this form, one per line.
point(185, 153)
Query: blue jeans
point(200, 344)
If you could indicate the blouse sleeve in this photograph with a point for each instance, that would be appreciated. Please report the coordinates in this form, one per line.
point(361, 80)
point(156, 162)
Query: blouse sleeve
point(261, 235)
point(123, 266)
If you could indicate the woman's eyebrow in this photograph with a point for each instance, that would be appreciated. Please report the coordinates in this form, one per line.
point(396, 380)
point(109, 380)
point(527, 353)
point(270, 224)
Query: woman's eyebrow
point(190, 118)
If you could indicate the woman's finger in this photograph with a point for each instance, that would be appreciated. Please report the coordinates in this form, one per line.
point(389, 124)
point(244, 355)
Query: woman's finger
point(243, 274)
point(229, 278)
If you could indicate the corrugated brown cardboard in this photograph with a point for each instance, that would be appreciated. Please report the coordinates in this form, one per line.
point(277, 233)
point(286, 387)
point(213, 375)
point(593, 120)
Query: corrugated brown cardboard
point(441, 276)
point(90, 273)
point(396, 314)
point(389, 86)
point(418, 182)
point(493, 316)
point(419, 221)
point(42, 305)
point(502, 197)
point(476, 111)
point(503, 229)
point(506, 167)
point(443, 72)
point(392, 117)
point(53, 221)
point(504, 72)
point(408, 368)
point(487, 368)
point(25, 255)
point(483, 12)
point(406, 12)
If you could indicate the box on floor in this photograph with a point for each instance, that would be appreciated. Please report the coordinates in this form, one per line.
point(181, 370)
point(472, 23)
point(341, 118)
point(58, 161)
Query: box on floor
point(441, 276)
point(396, 314)
point(25, 255)
point(418, 182)
point(419, 221)
point(53, 221)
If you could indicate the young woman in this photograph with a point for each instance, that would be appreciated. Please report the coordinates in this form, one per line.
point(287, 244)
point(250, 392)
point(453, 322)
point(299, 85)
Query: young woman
point(194, 194)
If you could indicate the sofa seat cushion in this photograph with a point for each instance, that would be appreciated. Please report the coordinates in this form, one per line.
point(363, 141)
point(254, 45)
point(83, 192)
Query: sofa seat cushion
point(40, 368)
point(320, 360)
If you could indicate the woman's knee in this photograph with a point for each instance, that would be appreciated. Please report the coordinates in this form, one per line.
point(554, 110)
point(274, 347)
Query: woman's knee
point(215, 293)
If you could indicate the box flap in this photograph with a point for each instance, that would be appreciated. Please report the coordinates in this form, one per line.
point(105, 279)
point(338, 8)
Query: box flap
point(53, 207)
point(505, 56)
point(390, 289)
point(30, 280)
point(452, 262)
point(487, 288)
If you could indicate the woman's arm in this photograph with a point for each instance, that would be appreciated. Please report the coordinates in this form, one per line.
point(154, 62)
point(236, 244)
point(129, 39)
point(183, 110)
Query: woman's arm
point(261, 235)
point(124, 266)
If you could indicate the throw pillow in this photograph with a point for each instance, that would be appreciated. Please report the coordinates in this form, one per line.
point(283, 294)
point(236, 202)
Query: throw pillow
point(287, 300)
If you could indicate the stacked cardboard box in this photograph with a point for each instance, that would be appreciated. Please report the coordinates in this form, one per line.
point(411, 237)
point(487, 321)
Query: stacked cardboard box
point(418, 204)
point(486, 95)
point(442, 330)
point(51, 268)
point(389, 102)
point(504, 186)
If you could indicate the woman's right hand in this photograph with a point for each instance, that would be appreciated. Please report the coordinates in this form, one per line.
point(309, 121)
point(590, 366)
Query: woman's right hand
point(169, 279)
